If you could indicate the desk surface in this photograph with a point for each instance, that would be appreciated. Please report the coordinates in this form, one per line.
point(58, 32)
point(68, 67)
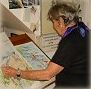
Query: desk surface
point(21, 39)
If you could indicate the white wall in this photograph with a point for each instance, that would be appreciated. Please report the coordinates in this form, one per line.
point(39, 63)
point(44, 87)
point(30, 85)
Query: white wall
point(0, 18)
point(46, 24)
point(89, 14)
point(5, 3)
point(85, 10)
point(86, 5)
point(1, 29)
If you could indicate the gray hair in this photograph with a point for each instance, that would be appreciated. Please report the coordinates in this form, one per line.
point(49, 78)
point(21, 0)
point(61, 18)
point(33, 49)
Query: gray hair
point(65, 10)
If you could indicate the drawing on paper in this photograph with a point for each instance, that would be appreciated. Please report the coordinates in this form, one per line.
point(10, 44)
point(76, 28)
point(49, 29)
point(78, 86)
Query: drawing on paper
point(33, 55)
point(14, 4)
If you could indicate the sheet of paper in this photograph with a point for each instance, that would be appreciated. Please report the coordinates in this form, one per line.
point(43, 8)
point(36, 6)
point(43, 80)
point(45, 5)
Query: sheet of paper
point(34, 57)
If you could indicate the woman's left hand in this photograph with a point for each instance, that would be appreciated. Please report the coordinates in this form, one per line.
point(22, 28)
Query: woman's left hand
point(8, 71)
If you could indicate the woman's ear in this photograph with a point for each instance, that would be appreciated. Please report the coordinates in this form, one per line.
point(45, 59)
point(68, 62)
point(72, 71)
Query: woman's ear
point(66, 20)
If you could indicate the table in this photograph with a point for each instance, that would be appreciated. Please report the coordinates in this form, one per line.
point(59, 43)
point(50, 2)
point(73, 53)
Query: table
point(24, 38)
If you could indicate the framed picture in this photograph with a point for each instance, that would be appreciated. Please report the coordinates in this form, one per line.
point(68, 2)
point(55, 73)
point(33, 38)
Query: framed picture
point(14, 4)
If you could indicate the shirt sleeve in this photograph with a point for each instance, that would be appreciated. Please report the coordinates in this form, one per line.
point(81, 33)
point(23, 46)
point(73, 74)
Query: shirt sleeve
point(64, 54)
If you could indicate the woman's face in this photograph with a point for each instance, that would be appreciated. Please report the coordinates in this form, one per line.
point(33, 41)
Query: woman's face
point(59, 26)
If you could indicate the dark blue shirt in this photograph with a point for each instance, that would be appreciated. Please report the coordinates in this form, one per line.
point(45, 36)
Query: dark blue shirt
point(72, 54)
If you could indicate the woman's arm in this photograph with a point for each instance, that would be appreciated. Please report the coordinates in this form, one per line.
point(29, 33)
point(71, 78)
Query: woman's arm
point(45, 74)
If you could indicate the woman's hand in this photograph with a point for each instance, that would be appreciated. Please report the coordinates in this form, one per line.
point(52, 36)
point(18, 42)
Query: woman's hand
point(9, 71)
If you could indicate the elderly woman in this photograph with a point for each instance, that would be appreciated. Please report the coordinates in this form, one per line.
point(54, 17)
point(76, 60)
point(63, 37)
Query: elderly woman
point(70, 62)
